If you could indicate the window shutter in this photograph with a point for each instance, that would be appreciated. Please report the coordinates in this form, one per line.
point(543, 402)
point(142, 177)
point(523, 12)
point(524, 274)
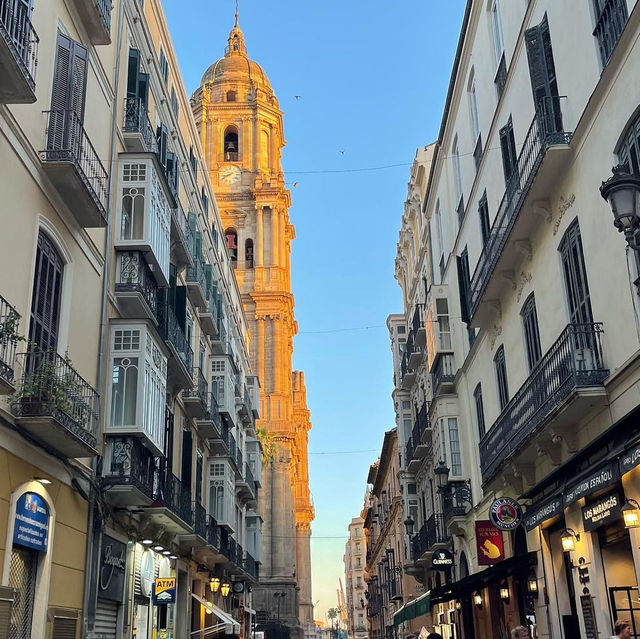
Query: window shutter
point(161, 136)
point(504, 148)
point(61, 73)
point(45, 303)
point(133, 73)
point(78, 85)
point(65, 623)
point(143, 87)
point(198, 490)
point(463, 285)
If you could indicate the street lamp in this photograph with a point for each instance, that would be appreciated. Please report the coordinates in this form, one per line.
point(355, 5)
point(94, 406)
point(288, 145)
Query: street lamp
point(622, 192)
point(214, 584)
point(631, 513)
point(442, 475)
point(279, 595)
point(409, 524)
point(568, 538)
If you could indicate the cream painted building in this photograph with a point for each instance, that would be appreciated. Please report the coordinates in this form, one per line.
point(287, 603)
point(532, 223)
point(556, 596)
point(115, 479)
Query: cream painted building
point(529, 336)
point(354, 564)
point(124, 362)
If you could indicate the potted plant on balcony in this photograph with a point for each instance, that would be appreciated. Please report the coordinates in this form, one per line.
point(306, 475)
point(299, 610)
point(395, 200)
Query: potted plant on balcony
point(51, 387)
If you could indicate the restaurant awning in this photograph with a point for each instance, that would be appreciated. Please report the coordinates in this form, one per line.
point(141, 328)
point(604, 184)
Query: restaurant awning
point(229, 624)
point(411, 610)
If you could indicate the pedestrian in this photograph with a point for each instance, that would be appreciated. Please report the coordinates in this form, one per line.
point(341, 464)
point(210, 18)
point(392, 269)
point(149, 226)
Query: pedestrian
point(520, 632)
point(434, 635)
point(622, 629)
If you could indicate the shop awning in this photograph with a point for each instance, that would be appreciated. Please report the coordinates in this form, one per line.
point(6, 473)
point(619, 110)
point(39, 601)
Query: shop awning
point(416, 608)
point(229, 624)
point(518, 565)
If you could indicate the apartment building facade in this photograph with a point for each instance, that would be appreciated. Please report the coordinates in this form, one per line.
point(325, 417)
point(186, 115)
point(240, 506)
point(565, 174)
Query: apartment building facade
point(354, 565)
point(388, 584)
point(128, 423)
point(536, 354)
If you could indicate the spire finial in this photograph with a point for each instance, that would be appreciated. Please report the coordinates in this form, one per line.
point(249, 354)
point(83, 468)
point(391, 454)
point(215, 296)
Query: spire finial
point(237, 13)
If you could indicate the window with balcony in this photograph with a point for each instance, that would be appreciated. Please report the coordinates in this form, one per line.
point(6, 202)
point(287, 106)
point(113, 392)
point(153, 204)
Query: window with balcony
point(47, 290)
point(542, 71)
point(222, 492)
point(611, 18)
point(145, 216)
point(531, 331)
point(575, 277)
point(454, 446)
point(477, 396)
point(138, 385)
point(444, 327)
point(500, 364)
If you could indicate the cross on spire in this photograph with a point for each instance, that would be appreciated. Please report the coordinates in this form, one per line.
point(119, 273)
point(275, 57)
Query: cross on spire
point(237, 13)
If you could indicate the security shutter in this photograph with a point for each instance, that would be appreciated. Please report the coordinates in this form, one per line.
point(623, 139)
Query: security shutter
point(106, 620)
point(65, 623)
point(7, 598)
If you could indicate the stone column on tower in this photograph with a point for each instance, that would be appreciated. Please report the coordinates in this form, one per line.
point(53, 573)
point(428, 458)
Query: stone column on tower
point(236, 92)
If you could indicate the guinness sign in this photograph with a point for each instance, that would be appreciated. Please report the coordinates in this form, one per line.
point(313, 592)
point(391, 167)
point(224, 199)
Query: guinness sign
point(442, 559)
point(113, 562)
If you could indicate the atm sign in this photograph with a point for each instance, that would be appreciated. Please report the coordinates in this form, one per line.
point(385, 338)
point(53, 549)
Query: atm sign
point(165, 590)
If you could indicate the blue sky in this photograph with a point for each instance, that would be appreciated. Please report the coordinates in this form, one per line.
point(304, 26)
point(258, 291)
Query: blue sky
point(372, 76)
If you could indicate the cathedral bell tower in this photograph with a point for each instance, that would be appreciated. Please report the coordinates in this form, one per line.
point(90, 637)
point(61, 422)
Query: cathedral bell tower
point(241, 128)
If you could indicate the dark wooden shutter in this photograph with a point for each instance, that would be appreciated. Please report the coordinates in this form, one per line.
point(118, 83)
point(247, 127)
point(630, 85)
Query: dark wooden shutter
point(575, 277)
point(181, 306)
point(198, 491)
point(143, 87)
point(463, 284)
point(162, 136)
point(187, 458)
point(45, 301)
point(168, 441)
point(542, 71)
point(485, 225)
point(509, 156)
point(133, 73)
point(531, 331)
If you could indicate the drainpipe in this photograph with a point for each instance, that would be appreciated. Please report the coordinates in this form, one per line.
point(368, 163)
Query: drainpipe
point(93, 544)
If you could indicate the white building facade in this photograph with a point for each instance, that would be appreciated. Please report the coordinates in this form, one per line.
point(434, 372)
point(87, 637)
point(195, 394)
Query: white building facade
point(355, 554)
point(530, 322)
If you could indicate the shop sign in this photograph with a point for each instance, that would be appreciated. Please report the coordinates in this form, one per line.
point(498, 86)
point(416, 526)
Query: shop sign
point(505, 513)
point(589, 617)
point(147, 573)
point(538, 514)
point(442, 559)
point(606, 509)
point(489, 543)
point(112, 569)
point(31, 526)
point(630, 459)
point(603, 477)
point(164, 591)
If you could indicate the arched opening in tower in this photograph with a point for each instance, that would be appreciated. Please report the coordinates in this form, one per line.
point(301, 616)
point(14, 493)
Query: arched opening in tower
point(231, 144)
point(232, 245)
point(248, 253)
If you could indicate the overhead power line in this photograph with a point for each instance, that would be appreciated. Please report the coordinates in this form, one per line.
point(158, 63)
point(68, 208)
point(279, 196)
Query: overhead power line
point(342, 330)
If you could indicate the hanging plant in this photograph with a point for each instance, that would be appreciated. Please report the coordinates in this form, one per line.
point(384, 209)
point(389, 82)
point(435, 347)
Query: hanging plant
point(269, 444)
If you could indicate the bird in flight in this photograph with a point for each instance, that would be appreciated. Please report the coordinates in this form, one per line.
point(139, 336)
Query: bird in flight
point(297, 97)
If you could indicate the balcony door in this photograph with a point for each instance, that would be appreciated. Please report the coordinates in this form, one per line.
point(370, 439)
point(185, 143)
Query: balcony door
point(542, 70)
point(575, 277)
point(45, 301)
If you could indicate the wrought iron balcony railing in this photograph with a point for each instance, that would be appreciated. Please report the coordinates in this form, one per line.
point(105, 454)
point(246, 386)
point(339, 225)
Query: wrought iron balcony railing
point(420, 426)
point(174, 495)
point(135, 276)
point(67, 141)
point(456, 499)
point(172, 332)
point(200, 520)
point(610, 24)
point(9, 336)
point(136, 120)
point(22, 41)
point(213, 533)
point(250, 565)
point(200, 389)
point(574, 361)
point(545, 131)
point(443, 372)
point(417, 321)
point(132, 464)
point(433, 532)
point(51, 387)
